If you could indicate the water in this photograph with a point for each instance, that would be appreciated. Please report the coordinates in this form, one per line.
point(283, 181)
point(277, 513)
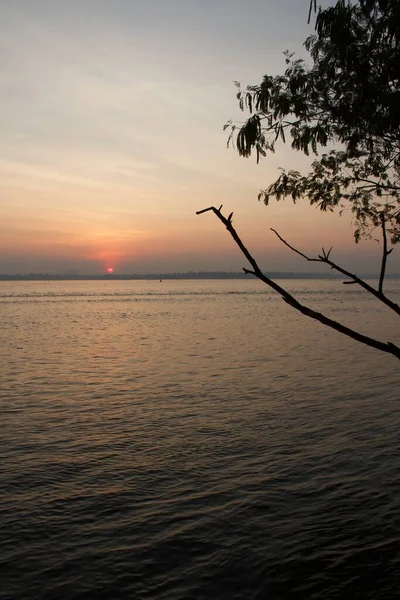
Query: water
point(196, 439)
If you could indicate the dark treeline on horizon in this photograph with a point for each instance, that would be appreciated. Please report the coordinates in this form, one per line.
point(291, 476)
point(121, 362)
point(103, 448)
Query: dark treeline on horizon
point(161, 276)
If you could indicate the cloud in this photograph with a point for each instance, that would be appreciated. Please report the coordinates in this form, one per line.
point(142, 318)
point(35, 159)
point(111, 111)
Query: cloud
point(111, 119)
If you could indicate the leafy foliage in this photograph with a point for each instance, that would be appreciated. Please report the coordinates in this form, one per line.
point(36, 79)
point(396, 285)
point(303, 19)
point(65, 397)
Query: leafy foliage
point(346, 104)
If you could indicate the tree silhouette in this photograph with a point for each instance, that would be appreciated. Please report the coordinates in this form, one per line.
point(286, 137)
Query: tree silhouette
point(347, 104)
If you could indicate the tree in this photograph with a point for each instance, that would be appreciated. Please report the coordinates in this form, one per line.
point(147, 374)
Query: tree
point(347, 105)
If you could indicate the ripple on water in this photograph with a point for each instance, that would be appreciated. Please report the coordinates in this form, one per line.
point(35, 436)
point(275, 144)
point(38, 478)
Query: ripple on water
point(194, 445)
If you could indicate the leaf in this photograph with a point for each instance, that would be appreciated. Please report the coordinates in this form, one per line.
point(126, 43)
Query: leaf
point(346, 97)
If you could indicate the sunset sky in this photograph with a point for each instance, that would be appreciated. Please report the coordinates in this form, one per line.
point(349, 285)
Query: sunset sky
point(111, 116)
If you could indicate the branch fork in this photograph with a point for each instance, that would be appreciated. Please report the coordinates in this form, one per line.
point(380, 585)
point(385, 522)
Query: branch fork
point(387, 347)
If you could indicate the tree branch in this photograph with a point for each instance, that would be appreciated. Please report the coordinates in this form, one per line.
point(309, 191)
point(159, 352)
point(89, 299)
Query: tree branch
point(291, 300)
point(385, 253)
point(377, 184)
point(325, 259)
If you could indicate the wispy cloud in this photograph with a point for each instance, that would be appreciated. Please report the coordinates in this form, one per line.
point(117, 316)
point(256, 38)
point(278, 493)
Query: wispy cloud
point(111, 119)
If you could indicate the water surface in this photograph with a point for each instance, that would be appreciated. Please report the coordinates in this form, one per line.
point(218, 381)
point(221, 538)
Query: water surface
point(196, 439)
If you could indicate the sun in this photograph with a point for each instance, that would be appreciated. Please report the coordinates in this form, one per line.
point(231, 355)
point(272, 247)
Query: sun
point(110, 271)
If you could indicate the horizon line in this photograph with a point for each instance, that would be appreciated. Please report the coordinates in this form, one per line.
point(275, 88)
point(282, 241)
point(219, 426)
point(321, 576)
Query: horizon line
point(180, 275)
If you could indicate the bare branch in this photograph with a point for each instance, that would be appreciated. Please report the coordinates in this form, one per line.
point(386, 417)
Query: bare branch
point(291, 300)
point(293, 248)
point(324, 258)
point(385, 253)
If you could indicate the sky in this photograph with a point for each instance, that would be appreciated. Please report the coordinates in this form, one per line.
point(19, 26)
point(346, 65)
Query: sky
point(111, 137)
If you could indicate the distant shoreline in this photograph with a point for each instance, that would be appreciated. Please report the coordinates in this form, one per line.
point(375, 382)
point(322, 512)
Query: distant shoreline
point(170, 276)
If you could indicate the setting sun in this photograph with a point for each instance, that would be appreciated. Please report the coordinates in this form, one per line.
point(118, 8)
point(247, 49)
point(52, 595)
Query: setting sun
point(110, 270)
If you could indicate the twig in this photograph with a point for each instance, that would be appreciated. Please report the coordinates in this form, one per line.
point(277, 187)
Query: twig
point(385, 253)
point(324, 258)
point(291, 300)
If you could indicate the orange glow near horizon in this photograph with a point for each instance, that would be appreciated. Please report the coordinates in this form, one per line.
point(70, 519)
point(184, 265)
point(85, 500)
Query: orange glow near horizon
point(83, 186)
point(178, 244)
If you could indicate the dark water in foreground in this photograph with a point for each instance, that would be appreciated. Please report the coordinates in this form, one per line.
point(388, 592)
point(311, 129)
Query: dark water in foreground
point(196, 440)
